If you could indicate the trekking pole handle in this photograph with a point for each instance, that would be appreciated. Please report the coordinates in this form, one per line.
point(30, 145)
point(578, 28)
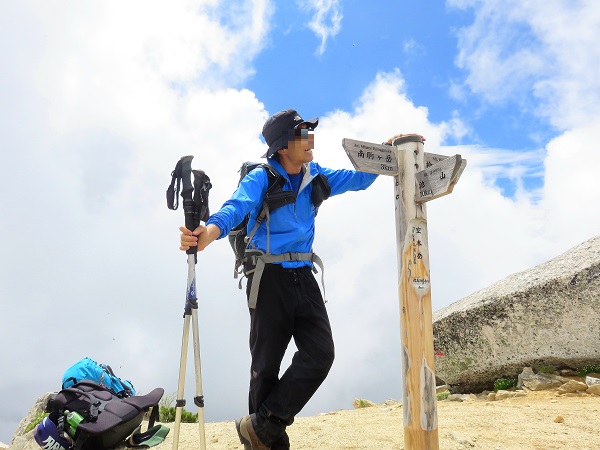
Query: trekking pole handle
point(191, 223)
point(191, 227)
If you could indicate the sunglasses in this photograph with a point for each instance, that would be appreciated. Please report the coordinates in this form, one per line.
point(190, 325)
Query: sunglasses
point(303, 132)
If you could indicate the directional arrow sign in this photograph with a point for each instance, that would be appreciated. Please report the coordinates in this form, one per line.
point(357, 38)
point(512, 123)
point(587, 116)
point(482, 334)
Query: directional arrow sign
point(380, 158)
point(372, 158)
point(439, 179)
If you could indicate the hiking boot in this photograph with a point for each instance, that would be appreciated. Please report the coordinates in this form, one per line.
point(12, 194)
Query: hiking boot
point(248, 436)
point(283, 443)
point(246, 443)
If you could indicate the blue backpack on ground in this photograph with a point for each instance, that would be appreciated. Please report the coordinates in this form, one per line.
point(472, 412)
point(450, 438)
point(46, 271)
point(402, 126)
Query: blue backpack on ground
point(102, 374)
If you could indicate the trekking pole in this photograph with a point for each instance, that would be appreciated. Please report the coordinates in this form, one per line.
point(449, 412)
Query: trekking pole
point(195, 208)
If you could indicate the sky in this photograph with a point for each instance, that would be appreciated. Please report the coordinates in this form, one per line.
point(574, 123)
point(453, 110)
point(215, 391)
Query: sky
point(99, 100)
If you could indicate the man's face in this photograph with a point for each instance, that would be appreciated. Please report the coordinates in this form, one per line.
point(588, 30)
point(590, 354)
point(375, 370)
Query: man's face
point(301, 142)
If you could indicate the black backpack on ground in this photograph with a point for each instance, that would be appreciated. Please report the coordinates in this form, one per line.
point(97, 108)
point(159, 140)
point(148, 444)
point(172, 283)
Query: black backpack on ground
point(94, 418)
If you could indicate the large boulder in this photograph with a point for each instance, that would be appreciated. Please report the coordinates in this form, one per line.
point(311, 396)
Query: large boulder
point(547, 315)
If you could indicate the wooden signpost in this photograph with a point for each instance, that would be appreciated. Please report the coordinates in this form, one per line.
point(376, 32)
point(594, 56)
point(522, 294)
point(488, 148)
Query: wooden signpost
point(419, 177)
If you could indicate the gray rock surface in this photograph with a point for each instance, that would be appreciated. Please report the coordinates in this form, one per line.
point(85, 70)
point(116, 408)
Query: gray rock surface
point(539, 381)
point(547, 315)
point(23, 440)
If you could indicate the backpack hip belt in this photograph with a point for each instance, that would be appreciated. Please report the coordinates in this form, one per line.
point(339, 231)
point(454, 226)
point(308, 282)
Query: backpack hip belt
point(262, 259)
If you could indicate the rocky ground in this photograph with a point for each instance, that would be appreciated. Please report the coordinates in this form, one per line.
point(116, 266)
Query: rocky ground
point(520, 420)
point(541, 420)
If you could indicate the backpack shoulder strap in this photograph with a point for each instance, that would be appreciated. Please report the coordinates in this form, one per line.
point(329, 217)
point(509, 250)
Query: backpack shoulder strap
point(321, 190)
point(275, 197)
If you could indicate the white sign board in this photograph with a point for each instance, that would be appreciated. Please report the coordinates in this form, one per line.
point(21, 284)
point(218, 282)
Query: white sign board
point(372, 158)
point(439, 179)
point(379, 158)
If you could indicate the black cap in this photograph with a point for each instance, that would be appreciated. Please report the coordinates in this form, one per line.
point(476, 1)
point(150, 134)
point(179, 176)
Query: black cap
point(277, 127)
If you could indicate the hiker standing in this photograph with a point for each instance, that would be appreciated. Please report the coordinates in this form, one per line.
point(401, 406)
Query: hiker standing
point(289, 303)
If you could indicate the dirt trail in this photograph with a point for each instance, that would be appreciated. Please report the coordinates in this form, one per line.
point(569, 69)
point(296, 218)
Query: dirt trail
point(531, 422)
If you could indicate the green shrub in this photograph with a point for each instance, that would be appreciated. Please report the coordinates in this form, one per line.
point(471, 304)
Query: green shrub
point(35, 421)
point(442, 395)
point(167, 399)
point(166, 414)
point(362, 403)
point(188, 417)
point(591, 368)
point(504, 383)
point(546, 369)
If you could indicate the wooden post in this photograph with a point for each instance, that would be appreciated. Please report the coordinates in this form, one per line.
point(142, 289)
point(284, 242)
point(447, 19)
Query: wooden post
point(419, 177)
point(414, 291)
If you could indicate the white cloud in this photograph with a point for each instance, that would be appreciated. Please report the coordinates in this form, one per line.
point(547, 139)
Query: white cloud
point(543, 56)
point(539, 54)
point(326, 21)
point(571, 192)
point(411, 47)
point(92, 127)
point(138, 63)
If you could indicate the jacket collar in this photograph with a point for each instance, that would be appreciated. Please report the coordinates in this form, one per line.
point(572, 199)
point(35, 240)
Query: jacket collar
point(309, 169)
point(278, 167)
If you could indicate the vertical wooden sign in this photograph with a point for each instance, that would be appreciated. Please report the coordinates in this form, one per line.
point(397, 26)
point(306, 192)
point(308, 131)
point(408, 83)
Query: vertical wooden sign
point(414, 293)
point(418, 178)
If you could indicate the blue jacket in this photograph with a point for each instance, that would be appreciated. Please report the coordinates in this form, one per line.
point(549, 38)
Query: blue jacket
point(292, 227)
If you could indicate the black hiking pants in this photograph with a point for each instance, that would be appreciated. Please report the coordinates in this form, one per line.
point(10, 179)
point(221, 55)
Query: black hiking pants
point(289, 305)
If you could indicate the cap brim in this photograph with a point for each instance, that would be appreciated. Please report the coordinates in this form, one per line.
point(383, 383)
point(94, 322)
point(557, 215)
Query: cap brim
point(312, 123)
